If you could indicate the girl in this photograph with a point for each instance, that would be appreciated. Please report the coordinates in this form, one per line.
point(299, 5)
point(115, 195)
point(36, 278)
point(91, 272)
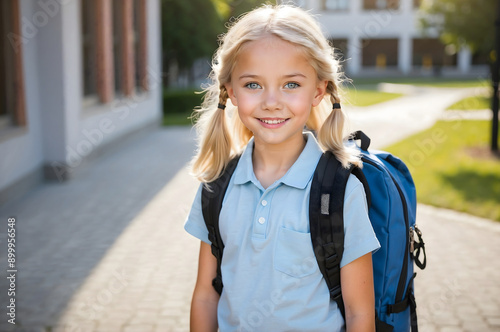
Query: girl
point(273, 74)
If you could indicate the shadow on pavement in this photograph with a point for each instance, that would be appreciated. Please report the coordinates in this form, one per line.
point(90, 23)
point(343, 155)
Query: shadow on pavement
point(65, 229)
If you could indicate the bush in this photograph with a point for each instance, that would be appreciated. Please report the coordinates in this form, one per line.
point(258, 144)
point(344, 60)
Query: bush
point(180, 101)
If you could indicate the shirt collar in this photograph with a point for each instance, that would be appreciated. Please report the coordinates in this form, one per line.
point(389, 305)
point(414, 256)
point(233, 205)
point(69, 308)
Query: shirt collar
point(298, 176)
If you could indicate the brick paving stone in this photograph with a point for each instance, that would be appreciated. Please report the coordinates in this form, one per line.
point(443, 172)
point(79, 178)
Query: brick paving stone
point(494, 321)
point(138, 328)
point(427, 327)
point(450, 329)
point(109, 328)
point(476, 327)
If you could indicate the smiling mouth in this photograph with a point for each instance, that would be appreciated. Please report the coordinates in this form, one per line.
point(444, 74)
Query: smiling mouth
point(273, 121)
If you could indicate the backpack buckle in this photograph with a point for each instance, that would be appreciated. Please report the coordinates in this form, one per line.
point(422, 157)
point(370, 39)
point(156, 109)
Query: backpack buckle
point(336, 293)
point(416, 248)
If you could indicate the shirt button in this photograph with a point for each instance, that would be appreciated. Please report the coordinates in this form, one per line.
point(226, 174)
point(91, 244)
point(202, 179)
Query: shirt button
point(264, 203)
point(262, 220)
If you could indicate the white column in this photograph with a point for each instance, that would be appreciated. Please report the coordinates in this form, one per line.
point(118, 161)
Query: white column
point(464, 60)
point(314, 5)
point(354, 54)
point(406, 7)
point(52, 87)
point(355, 6)
point(405, 50)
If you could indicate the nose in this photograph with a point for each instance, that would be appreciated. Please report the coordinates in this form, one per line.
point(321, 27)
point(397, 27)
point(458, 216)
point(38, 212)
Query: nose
point(272, 99)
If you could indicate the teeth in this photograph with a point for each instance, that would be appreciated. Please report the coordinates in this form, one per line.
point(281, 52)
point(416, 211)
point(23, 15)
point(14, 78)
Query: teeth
point(273, 121)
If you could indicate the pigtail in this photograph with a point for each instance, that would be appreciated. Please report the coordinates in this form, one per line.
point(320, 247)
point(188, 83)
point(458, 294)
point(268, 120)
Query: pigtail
point(331, 134)
point(215, 144)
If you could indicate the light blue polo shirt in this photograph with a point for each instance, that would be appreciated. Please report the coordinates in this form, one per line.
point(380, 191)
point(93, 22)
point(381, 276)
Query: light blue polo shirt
point(271, 278)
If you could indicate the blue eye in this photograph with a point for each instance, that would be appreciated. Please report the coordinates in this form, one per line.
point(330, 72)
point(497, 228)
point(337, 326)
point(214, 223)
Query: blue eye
point(252, 85)
point(292, 85)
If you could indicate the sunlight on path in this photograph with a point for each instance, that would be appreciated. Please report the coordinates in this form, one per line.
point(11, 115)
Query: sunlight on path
point(145, 280)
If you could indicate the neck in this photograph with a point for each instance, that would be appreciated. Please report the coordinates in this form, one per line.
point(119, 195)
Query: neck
point(272, 161)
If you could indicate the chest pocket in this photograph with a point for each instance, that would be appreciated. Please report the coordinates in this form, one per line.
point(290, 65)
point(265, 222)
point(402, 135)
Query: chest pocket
point(293, 254)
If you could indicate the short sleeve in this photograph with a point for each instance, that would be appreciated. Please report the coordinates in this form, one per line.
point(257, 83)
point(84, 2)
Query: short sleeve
point(195, 224)
point(359, 238)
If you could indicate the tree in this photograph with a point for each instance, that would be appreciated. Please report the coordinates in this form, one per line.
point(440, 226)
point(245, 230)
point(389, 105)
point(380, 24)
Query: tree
point(189, 31)
point(460, 22)
point(475, 23)
point(238, 7)
point(190, 28)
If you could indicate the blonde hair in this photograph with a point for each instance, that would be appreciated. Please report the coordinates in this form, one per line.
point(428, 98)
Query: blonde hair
point(222, 134)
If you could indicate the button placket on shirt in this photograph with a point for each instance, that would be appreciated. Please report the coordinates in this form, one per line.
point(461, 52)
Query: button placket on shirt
point(262, 212)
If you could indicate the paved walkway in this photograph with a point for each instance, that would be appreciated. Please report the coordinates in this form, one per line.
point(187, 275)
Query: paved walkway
point(106, 251)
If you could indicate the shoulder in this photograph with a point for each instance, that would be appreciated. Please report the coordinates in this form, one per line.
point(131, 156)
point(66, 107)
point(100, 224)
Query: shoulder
point(354, 199)
point(353, 187)
point(195, 223)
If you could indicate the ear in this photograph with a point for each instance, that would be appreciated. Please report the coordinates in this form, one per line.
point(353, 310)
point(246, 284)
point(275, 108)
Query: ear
point(320, 92)
point(230, 93)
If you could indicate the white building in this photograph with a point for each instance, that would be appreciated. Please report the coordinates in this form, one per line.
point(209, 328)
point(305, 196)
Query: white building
point(384, 37)
point(75, 75)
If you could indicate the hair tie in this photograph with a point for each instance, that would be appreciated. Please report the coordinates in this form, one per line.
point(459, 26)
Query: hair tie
point(220, 106)
point(336, 106)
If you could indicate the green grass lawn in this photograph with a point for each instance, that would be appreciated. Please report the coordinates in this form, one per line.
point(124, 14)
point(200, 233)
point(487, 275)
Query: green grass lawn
point(453, 167)
point(472, 104)
point(367, 97)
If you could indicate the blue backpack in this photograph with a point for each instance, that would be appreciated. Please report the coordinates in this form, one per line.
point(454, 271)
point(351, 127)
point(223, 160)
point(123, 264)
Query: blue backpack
point(391, 200)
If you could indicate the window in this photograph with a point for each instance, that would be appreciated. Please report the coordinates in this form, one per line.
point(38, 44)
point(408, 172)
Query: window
point(114, 44)
point(380, 4)
point(480, 59)
point(380, 53)
point(89, 48)
point(130, 46)
point(97, 51)
point(140, 45)
point(429, 53)
point(118, 44)
point(12, 103)
point(336, 5)
point(340, 46)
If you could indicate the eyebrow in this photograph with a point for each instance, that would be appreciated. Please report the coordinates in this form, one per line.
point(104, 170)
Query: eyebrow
point(284, 76)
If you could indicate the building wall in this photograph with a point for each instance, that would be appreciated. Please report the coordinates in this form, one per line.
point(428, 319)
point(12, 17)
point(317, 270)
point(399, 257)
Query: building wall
point(61, 132)
point(360, 26)
point(21, 147)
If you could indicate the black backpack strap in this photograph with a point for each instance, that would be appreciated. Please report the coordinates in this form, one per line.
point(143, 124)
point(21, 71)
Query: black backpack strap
point(212, 196)
point(326, 218)
point(358, 172)
point(409, 300)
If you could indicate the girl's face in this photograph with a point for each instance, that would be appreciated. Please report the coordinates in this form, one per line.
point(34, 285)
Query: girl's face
point(274, 88)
